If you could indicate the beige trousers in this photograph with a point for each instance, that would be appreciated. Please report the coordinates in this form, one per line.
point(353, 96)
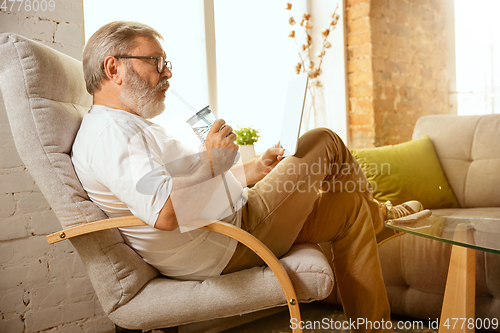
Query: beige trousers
point(321, 195)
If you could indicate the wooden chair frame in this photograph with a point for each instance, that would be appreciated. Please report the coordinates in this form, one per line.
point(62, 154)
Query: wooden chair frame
point(220, 227)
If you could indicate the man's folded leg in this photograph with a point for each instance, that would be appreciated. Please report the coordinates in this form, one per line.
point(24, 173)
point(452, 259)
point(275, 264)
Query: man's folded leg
point(345, 220)
point(280, 203)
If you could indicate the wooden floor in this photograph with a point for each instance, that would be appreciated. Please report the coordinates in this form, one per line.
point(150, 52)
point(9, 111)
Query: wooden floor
point(278, 321)
point(321, 314)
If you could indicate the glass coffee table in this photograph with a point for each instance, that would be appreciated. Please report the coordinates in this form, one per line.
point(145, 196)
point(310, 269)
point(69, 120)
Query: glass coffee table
point(466, 235)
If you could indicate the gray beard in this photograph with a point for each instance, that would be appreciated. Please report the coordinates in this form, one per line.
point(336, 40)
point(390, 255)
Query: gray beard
point(141, 97)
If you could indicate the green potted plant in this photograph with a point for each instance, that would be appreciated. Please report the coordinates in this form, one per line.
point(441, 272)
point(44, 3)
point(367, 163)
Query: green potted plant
point(247, 136)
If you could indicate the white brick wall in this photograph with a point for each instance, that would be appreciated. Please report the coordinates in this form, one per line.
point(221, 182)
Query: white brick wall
point(42, 287)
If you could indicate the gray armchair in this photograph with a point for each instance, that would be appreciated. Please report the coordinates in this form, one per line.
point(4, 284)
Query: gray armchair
point(45, 99)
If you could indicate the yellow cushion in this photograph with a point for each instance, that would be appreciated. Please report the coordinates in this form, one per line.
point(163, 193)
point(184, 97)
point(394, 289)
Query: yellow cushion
point(407, 171)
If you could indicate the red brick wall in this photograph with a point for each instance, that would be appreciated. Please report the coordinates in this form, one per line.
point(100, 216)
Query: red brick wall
point(396, 67)
point(360, 74)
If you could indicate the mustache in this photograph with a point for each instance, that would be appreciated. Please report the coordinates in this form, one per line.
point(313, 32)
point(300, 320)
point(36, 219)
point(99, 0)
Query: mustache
point(164, 83)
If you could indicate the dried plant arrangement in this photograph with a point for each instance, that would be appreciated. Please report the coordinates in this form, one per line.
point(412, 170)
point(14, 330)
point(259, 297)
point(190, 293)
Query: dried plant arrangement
point(306, 63)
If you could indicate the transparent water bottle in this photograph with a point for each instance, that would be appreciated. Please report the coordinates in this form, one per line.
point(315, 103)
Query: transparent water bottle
point(201, 122)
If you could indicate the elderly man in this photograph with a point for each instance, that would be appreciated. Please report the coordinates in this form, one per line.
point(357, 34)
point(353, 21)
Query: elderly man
point(129, 165)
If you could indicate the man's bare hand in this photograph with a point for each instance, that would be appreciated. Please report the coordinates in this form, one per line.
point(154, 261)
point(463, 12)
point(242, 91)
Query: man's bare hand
point(259, 167)
point(221, 147)
point(271, 158)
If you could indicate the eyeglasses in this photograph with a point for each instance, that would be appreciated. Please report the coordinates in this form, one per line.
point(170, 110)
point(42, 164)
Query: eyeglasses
point(161, 63)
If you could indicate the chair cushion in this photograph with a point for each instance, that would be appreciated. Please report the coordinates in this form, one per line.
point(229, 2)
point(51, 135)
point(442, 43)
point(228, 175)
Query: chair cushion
point(183, 302)
point(45, 99)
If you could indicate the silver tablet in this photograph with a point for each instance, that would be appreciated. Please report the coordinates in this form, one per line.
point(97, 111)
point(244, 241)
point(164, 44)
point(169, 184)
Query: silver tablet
point(292, 118)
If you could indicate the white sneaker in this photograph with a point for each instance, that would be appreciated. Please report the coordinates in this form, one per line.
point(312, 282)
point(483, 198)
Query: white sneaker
point(405, 209)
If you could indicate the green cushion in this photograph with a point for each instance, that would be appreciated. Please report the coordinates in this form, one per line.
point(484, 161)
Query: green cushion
point(407, 171)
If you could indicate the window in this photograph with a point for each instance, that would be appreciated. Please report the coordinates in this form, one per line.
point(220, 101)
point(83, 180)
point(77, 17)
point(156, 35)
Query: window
point(255, 60)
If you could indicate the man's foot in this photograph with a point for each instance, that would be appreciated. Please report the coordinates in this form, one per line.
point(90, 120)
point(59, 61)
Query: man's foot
point(405, 209)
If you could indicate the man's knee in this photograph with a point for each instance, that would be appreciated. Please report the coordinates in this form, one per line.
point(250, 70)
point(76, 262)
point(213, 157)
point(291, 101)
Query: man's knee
point(317, 137)
point(323, 134)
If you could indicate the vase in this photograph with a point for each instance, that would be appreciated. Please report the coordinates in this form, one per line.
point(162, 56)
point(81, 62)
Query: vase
point(247, 152)
point(315, 108)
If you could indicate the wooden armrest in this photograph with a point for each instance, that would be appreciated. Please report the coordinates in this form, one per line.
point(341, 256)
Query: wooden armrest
point(117, 222)
point(269, 258)
point(224, 228)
